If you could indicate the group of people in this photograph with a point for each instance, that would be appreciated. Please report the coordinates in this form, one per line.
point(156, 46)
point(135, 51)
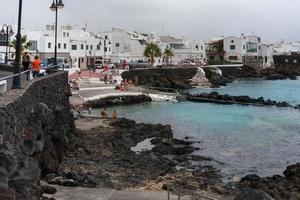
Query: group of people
point(109, 79)
point(104, 114)
point(74, 85)
point(35, 65)
point(126, 84)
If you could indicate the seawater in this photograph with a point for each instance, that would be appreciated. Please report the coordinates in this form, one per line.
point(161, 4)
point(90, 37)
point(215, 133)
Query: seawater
point(241, 139)
point(278, 90)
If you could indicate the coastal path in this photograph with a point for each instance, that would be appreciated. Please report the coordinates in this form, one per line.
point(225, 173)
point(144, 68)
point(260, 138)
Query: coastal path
point(79, 193)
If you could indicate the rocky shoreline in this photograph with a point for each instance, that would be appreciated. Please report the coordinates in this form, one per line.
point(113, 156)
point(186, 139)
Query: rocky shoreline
point(117, 100)
point(181, 78)
point(215, 97)
point(276, 187)
point(102, 156)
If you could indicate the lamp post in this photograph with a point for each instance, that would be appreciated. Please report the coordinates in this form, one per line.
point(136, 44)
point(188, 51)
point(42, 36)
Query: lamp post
point(7, 30)
point(54, 7)
point(17, 64)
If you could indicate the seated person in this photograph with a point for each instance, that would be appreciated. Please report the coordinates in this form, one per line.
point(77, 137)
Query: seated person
point(103, 113)
point(115, 114)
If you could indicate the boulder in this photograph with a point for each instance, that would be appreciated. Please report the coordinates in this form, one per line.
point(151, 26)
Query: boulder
point(251, 194)
point(47, 189)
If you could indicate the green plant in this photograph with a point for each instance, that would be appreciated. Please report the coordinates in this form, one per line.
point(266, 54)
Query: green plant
point(152, 51)
point(168, 53)
point(24, 44)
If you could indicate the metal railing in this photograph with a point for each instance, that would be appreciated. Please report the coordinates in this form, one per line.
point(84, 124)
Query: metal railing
point(25, 76)
point(193, 195)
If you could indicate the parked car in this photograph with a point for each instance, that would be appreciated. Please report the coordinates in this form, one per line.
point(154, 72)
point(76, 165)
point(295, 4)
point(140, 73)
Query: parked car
point(188, 63)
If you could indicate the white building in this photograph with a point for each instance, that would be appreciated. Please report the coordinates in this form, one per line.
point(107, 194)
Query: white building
point(80, 47)
point(248, 50)
point(284, 48)
point(126, 45)
point(182, 49)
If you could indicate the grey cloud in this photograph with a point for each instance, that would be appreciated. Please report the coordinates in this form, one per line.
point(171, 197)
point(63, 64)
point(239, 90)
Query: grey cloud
point(195, 19)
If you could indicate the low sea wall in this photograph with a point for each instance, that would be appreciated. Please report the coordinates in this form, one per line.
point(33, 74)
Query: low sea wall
point(166, 77)
point(35, 127)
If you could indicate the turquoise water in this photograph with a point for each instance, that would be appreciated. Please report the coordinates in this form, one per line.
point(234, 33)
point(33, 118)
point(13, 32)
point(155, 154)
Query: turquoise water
point(245, 139)
point(278, 90)
point(241, 139)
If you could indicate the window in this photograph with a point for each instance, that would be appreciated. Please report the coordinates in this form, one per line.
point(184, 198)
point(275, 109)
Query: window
point(232, 41)
point(266, 59)
point(109, 49)
point(82, 59)
point(105, 49)
point(3, 40)
point(65, 46)
point(74, 47)
point(59, 45)
point(91, 47)
point(82, 46)
point(117, 44)
point(33, 45)
point(232, 48)
point(201, 47)
point(106, 37)
point(98, 47)
point(49, 45)
point(244, 47)
point(64, 34)
point(87, 47)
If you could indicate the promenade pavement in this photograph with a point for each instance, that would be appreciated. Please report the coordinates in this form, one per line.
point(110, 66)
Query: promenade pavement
point(79, 193)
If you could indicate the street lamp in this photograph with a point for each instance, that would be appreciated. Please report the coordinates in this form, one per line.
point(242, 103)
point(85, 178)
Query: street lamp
point(7, 30)
point(54, 7)
point(17, 64)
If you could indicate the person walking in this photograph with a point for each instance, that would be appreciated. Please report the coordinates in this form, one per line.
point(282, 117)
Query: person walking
point(36, 66)
point(26, 63)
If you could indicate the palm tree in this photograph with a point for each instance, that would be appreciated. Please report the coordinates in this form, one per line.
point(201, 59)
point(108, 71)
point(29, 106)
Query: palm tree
point(168, 53)
point(24, 44)
point(152, 51)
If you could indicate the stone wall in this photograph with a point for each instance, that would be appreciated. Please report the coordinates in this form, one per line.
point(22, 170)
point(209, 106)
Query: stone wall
point(171, 77)
point(35, 126)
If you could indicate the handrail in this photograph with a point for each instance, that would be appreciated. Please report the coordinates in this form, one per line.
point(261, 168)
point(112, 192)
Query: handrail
point(14, 75)
point(194, 195)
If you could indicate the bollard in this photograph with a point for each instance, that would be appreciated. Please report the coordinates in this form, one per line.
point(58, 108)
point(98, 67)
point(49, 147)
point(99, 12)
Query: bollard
point(179, 196)
point(168, 193)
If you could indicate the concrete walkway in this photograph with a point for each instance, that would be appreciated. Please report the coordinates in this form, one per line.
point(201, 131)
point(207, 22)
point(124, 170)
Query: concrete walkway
point(79, 193)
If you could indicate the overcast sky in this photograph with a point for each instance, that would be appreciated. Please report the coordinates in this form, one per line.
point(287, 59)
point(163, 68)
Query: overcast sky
point(193, 19)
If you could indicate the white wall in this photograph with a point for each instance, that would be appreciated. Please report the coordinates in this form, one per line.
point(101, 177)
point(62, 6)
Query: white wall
point(267, 55)
point(237, 52)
